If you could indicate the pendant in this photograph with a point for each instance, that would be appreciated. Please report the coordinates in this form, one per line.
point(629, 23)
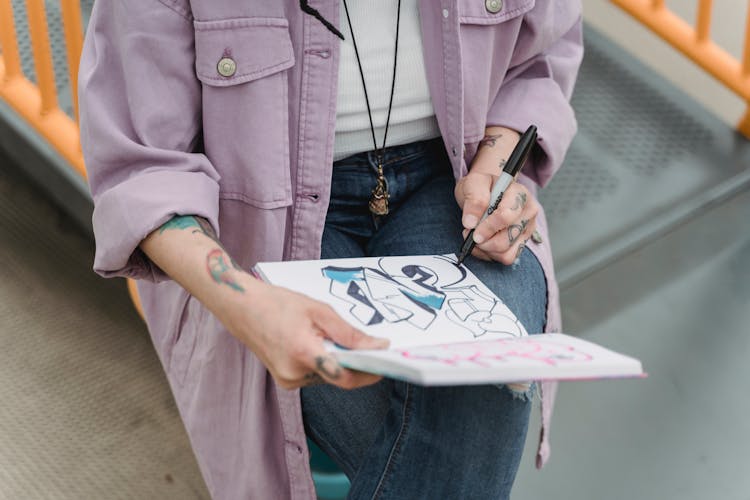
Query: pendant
point(379, 199)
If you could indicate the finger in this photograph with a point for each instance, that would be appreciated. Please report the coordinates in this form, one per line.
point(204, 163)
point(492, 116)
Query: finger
point(476, 251)
point(516, 198)
point(342, 333)
point(514, 252)
point(515, 205)
point(505, 239)
point(312, 378)
point(475, 194)
point(329, 369)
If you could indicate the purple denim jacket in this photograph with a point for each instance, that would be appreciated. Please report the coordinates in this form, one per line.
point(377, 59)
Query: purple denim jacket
point(165, 133)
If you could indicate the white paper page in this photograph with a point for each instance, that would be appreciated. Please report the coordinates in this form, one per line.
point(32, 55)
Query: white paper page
point(552, 356)
point(410, 300)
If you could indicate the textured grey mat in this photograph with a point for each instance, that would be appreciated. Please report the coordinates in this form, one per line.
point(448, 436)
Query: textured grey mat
point(646, 158)
point(86, 411)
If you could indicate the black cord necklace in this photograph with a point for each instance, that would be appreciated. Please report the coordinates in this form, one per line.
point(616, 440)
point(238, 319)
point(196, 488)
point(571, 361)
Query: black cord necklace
point(379, 199)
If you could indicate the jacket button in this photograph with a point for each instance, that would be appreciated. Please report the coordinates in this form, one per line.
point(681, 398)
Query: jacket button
point(536, 237)
point(493, 6)
point(226, 67)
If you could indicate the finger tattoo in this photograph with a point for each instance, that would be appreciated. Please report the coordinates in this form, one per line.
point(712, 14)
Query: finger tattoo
point(328, 366)
point(520, 249)
point(313, 378)
point(516, 230)
point(520, 201)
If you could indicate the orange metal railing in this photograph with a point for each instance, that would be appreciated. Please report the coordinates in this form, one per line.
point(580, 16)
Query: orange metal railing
point(696, 43)
point(38, 104)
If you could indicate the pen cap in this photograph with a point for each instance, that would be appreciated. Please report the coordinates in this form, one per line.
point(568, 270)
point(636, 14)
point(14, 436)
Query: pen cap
point(521, 152)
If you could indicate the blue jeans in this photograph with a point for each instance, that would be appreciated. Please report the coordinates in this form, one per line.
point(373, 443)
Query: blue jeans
point(398, 440)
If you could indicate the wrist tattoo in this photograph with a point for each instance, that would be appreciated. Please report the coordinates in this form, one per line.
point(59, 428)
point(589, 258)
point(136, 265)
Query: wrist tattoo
point(218, 269)
point(489, 140)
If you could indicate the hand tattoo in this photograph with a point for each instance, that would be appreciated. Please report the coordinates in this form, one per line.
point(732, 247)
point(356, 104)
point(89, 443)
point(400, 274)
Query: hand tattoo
point(328, 366)
point(520, 201)
point(313, 378)
point(516, 230)
point(489, 140)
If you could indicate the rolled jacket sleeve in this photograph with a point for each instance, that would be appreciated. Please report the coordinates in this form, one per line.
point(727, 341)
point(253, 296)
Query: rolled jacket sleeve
point(538, 87)
point(140, 119)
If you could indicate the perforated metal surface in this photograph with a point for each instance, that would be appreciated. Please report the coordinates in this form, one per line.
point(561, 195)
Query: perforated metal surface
point(645, 158)
point(86, 411)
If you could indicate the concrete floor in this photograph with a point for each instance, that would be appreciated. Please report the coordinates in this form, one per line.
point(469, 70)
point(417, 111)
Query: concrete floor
point(682, 306)
point(86, 411)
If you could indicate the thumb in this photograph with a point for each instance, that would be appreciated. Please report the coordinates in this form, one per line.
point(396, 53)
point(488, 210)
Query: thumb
point(476, 190)
point(345, 334)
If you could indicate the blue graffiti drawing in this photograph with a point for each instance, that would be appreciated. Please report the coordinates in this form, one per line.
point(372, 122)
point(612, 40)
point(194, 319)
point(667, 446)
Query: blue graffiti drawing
point(376, 296)
point(400, 291)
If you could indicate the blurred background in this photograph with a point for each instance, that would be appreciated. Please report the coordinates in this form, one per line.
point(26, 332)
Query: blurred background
point(650, 233)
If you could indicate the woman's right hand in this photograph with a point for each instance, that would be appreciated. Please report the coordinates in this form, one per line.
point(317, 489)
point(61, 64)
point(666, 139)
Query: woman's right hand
point(286, 330)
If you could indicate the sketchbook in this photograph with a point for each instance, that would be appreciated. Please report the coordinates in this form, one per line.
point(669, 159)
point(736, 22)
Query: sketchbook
point(444, 325)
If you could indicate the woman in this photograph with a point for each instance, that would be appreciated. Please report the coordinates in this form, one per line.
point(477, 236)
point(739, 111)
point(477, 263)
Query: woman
point(220, 133)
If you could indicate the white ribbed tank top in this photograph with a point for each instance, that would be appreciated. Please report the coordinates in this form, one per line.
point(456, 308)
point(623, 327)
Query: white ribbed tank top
point(412, 115)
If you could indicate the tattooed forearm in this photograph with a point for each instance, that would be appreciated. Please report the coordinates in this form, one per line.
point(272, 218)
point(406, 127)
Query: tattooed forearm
point(218, 269)
point(489, 140)
point(179, 222)
point(199, 225)
point(520, 201)
point(328, 366)
point(516, 230)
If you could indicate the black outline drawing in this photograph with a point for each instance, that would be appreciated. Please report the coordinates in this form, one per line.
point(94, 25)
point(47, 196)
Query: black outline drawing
point(414, 294)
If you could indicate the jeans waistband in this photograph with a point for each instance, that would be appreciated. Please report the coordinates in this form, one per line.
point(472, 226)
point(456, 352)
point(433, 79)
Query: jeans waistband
point(394, 153)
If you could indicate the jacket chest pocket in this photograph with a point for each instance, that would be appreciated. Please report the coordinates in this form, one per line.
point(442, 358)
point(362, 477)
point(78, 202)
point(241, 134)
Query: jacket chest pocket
point(492, 11)
point(489, 31)
point(242, 64)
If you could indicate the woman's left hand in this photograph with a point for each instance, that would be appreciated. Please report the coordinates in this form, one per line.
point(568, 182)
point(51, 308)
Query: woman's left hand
point(503, 234)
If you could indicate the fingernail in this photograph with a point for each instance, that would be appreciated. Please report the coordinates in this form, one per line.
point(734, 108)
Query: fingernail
point(470, 221)
point(478, 238)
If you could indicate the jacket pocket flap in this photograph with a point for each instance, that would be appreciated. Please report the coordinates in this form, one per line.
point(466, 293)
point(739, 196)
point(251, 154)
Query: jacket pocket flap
point(233, 51)
point(478, 11)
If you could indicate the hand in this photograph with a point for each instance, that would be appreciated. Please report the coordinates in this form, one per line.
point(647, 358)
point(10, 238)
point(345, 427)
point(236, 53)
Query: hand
point(502, 236)
point(286, 331)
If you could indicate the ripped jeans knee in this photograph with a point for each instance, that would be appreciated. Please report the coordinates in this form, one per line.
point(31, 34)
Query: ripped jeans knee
point(520, 390)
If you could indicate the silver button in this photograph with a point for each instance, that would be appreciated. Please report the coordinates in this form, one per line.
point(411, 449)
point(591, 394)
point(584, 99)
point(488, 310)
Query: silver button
point(493, 6)
point(226, 67)
point(446, 13)
point(536, 237)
